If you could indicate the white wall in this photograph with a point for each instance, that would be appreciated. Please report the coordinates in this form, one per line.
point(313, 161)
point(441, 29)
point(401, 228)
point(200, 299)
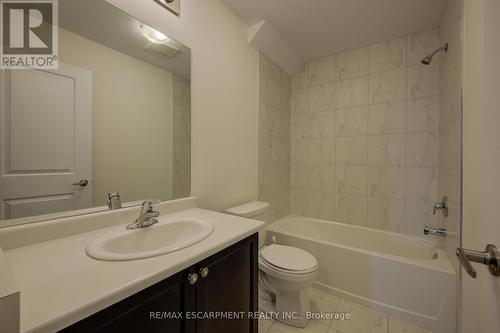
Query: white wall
point(132, 121)
point(224, 96)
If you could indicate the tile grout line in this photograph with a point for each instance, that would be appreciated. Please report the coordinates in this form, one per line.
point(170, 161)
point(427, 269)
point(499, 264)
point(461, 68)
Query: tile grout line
point(336, 310)
point(405, 212)
point(367, 149)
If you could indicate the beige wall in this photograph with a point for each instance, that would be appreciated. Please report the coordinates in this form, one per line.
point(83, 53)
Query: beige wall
point(274, 137)
point(132, 121)
point(224, 88)
point(364, 131)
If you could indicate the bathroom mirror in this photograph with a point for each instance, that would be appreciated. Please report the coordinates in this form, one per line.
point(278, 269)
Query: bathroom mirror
point(114, 117)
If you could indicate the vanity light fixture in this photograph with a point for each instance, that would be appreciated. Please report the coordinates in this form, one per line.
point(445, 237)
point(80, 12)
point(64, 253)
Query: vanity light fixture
point(161, 45)
point(153, 35)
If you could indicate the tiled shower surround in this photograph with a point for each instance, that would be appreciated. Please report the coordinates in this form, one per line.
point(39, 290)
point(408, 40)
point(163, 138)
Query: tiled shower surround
point(274, 137)
point(364, 136)
point(364, 131)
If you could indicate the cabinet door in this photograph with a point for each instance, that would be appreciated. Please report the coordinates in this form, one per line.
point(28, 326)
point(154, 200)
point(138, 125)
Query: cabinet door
point(147, 310)
point(230, 287)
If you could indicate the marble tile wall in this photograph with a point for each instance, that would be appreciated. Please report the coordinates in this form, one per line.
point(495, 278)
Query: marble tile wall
point(365, 135)
point(450, 124)
point(181, 137)
point(274, 137)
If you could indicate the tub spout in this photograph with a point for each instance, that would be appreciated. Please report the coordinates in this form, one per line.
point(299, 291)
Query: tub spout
point(428, 230)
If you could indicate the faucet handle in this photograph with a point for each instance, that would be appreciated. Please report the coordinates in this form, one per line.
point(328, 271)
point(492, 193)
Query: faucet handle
point(113, 200)
point(443, 206)
point(147, 205)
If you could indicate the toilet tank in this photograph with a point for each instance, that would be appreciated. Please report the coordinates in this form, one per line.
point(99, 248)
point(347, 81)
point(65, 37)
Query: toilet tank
point(256, 210)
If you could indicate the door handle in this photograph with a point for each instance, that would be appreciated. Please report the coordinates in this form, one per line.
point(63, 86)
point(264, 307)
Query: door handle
point(82, 183)
point(489, 257)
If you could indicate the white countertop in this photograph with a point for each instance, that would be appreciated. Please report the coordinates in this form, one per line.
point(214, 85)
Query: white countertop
point(61, 285)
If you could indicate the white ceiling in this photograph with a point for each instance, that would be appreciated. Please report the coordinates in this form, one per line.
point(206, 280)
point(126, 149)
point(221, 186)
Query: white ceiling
point(102, 23)
point(317, 28)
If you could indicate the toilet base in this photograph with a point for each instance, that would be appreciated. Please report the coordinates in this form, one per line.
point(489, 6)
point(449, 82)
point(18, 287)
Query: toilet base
point(292, 307)
point(267, 303)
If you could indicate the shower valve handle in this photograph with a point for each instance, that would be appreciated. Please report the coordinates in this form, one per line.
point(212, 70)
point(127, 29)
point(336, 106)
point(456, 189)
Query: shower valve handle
point(490, 257)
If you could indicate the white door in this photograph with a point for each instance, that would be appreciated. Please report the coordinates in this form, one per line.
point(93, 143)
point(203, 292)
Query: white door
point(480, 304)
point(45, 141)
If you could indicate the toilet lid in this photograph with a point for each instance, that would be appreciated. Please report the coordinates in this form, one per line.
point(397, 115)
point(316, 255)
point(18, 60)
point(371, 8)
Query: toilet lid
point(288, 257)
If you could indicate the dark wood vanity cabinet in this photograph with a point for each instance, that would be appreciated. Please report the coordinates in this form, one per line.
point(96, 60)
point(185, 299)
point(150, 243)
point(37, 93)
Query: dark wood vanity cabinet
point(226, 285)
point(230, 287)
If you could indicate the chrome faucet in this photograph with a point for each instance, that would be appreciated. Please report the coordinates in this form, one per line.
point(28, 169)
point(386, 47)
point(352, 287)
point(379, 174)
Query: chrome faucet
point(428, 230)
point(147, 216)
point(443, 206)
point(114, 201)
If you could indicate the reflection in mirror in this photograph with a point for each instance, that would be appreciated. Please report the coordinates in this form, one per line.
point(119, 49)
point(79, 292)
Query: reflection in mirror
point(115, 117)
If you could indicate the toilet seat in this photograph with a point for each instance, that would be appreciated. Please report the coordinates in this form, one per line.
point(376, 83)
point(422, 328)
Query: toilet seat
point(284, 274)
point(287, 260)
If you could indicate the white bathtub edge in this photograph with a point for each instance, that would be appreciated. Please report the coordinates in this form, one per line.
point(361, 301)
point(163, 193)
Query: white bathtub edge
point(441, 264)
point(390, 311)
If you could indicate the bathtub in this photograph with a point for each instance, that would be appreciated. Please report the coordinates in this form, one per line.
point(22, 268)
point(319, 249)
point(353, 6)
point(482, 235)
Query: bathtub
point(405, 277)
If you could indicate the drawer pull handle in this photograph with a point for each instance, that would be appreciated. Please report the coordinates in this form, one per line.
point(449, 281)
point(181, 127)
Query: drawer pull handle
point(193, 278)
point(204, 272)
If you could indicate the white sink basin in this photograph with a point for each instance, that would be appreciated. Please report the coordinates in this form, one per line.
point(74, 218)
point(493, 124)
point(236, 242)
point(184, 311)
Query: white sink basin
point(161, 238)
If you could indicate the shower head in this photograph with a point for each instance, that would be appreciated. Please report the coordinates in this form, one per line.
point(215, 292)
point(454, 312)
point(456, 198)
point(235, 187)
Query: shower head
point(428, 59)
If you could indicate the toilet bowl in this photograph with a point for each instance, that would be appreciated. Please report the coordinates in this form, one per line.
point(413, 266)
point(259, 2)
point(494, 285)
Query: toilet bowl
point(285, 272)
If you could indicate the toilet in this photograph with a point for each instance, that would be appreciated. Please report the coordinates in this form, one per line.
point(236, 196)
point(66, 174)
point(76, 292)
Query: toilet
point(285, 272)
